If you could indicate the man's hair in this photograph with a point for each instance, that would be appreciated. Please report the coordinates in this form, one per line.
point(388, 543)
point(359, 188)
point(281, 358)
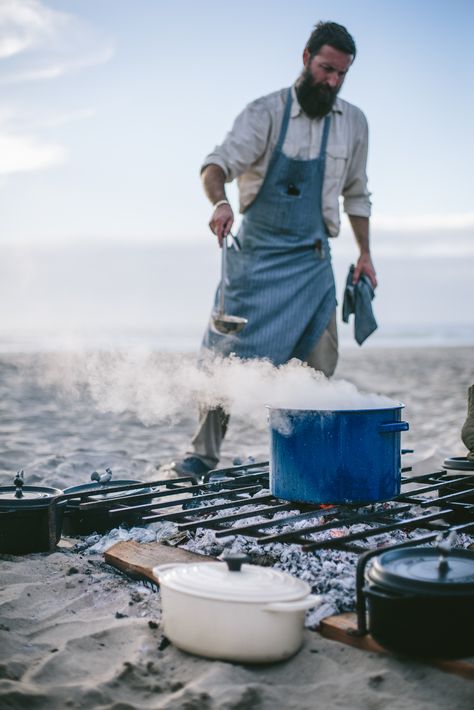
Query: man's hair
point(332, 34)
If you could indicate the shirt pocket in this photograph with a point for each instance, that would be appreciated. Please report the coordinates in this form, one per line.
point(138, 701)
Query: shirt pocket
point(336, 161)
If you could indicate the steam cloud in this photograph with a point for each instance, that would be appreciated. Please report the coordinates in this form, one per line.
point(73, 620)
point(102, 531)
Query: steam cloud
point(160, 387)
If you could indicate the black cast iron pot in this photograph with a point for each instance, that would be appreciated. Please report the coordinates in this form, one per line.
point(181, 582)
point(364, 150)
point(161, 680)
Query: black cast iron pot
point(25, 522)
point(420, 601)
point(103, 491)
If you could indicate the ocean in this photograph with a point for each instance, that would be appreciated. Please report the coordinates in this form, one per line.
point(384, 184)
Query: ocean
point(159, 297)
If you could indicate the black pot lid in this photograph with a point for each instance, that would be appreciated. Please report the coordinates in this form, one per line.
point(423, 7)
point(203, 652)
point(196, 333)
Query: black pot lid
point(459, 463)
point(422, 569)
point(99, 490)
point(30, 496)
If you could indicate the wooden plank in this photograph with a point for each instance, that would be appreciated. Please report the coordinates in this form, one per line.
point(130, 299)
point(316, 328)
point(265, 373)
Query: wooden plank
point(138, 559)
point(339, 628)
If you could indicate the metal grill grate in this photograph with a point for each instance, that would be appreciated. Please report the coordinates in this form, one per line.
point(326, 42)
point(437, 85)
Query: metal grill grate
point(430, 502)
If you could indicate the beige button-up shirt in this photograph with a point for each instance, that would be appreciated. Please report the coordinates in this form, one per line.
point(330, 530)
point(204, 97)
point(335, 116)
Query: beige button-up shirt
point(248, 147)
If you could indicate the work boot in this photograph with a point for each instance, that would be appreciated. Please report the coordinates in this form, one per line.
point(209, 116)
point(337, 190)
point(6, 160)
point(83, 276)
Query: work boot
point(467, 433)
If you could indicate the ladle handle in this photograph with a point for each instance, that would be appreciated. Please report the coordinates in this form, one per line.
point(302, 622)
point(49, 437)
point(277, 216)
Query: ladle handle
point(223, 274)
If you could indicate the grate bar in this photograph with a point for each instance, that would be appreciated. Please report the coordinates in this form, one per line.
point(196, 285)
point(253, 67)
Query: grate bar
point(270, 509)
point(183, 501)
point(434, 487)
point(310, 546)
point(258, 527)
point(422, 477)
point(333, 525)
point(201, 511)
point(169, 491)
point(452, 496)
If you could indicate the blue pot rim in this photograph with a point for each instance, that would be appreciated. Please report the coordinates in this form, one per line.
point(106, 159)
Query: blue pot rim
point(288, 410)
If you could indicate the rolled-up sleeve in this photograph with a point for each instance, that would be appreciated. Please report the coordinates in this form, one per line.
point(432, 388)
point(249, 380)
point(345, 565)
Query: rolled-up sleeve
point(245, 143)
point(356, 195)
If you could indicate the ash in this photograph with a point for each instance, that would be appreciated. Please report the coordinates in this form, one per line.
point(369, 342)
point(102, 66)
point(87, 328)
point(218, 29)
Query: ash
point(154, 532)
point(329, 572)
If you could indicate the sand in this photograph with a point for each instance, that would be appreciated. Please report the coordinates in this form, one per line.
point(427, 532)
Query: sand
point(76, 633)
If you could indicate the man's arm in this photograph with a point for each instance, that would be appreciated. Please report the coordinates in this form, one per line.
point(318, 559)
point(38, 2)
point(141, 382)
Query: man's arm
point(243, 146)
point(360, 227)
point(222, 218)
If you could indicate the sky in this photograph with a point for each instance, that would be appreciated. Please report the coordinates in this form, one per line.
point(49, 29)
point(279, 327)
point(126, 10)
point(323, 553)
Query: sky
point(108, 108)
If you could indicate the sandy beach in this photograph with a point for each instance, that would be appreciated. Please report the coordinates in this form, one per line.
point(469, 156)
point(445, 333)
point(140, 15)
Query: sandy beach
point(76, 633)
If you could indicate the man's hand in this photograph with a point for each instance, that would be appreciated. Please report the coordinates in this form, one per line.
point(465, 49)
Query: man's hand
point(213, 180)
point(221, 221)
point(360, 227)
point(365, 266)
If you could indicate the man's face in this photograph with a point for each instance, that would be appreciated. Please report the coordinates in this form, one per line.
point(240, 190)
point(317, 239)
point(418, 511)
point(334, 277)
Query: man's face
point(321, 79)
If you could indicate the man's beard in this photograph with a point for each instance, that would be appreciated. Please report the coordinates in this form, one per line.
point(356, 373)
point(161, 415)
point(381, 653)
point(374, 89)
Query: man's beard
point(316, 100)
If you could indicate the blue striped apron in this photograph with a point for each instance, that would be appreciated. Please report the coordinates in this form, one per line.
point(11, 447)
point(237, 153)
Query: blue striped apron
point(281, 280)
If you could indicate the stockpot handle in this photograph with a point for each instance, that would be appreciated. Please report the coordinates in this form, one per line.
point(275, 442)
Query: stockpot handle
point(309, 602)
point(393, 426)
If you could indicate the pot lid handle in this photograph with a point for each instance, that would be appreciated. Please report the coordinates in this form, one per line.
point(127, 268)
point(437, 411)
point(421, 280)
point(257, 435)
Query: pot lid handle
point(234, 561)
point(443, 545)
point(102, 478)
point(19, 482)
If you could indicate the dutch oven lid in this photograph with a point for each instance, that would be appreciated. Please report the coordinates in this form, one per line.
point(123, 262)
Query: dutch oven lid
point(246, 583)
point(459, 463)
point(100, 489)
point(30, 496)
point(424, 569)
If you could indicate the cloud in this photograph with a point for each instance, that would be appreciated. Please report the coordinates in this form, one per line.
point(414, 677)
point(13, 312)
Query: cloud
point(55, 70)
point(26, 24)
point(21, 148)
point(38, 43)
point(26, 153)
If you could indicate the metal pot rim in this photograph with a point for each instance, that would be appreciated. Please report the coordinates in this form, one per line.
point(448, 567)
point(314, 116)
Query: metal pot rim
point(294, 410)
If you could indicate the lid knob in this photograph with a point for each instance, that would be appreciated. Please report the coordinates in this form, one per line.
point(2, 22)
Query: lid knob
point(19, 483)
point(234, 561)
point(102, 478)
point(443, 545)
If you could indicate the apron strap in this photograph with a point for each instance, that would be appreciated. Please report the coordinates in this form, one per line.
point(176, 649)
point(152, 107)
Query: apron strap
point(285, 121)
point(324, 139)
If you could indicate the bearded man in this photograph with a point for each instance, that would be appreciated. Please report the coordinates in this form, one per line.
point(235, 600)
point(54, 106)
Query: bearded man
point(293, 153)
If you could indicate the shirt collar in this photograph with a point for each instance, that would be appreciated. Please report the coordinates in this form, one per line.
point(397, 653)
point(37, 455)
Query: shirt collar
point(296, 108)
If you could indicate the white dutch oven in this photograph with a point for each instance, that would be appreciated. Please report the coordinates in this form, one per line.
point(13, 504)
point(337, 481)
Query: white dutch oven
point(235, 612)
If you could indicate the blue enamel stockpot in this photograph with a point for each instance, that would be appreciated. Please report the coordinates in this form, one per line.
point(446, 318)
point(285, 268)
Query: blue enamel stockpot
point(342, 456)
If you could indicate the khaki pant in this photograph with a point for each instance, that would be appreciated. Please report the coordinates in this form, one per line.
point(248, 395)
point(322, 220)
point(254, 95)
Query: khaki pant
point(212, 425)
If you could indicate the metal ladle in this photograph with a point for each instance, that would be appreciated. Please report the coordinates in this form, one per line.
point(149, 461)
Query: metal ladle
point(222, 323)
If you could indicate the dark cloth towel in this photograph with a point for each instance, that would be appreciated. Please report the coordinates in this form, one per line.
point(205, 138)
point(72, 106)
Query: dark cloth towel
point(358, 300)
